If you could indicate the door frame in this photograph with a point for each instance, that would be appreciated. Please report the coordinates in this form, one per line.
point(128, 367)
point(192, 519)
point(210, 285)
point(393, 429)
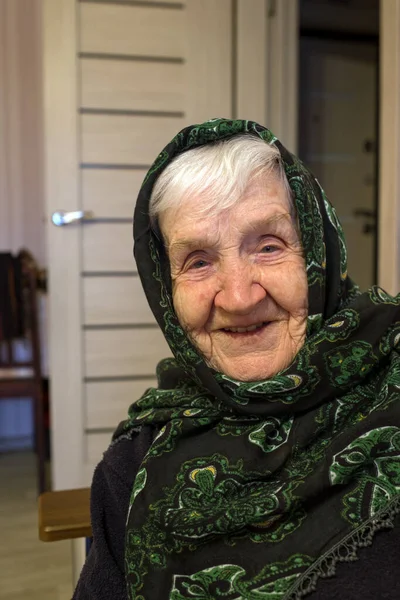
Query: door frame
point(354, 41)
point(266, 65)
point(389, 148)
point(62, 192)
point(388, 202)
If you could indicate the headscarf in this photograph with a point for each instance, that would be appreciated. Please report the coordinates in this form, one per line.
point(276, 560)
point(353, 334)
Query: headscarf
point(255, 490)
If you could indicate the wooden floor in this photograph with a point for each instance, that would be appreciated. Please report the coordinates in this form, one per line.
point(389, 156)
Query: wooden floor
point(29, 569)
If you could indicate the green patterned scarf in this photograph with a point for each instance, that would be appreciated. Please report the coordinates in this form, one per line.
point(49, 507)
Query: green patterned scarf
point(252, 491)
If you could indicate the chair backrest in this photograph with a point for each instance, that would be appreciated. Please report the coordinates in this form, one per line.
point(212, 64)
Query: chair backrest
point(19, 311)
point(19, 321)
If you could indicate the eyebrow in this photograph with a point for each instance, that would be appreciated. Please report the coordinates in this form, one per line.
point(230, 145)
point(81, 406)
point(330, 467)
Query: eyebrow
point(194, 244)
point(188, 245)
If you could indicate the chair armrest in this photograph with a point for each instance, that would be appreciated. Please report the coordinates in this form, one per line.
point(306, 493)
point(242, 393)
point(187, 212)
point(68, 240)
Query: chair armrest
point(64, 515)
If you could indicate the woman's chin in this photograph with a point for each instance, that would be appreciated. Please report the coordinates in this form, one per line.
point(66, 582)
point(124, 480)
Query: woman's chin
point(248, 369)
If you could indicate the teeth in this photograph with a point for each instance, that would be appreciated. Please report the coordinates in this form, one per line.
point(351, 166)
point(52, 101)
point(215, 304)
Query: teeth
point(244, 329)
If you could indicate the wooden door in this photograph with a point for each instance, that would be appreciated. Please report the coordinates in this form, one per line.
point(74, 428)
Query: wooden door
point(121, 78)
point(338, 139)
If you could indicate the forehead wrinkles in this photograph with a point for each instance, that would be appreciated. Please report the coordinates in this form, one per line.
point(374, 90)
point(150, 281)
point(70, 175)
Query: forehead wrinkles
point(190, 221)
point(194, 237)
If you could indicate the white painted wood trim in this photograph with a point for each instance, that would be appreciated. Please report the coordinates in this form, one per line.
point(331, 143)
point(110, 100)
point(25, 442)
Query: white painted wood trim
point(132, 85)
point(61, 191)
point(115, 28)
point(208, 60)
point(251, 53)
point(78, 555)
point(389, 147)
point(282, 70)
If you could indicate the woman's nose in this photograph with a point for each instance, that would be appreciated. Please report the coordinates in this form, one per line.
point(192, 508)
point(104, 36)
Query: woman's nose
point(240, 292)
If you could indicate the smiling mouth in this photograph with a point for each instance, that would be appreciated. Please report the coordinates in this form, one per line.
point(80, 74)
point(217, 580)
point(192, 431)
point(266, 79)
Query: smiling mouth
point(249, 329)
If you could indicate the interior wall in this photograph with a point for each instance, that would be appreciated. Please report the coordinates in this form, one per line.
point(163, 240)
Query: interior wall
point(21, 167)
point(21, 129)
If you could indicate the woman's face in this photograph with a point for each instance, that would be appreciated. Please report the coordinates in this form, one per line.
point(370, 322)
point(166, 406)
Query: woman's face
point(239, 281)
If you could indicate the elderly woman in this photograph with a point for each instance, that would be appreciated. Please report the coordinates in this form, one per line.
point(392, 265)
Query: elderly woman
point(270, 452)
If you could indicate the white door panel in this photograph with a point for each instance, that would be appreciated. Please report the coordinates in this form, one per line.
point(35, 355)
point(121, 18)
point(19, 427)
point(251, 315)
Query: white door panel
point(108, 247)
point(94, 446)
point(107, 402)
point(133, 85)
point(123, 352)
point(115, 301)
point(126, 140)
point(132, 30)
point(109, 193)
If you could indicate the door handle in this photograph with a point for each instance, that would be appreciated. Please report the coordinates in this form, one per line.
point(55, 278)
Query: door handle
point(59, 218)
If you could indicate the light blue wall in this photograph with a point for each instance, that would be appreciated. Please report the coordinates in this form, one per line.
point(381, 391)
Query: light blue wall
point(16, 424)
point(16, 418)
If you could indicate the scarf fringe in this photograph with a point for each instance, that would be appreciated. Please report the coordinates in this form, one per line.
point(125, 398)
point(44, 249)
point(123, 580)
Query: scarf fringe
point(345, 551)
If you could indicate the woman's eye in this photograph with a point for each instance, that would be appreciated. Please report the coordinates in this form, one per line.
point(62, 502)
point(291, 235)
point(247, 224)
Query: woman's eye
point(198, 264)
point(268, 249)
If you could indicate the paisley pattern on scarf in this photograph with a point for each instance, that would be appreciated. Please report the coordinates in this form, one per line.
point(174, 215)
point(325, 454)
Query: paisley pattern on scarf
point(373, 458)
point(254, 490)
point(231, 581)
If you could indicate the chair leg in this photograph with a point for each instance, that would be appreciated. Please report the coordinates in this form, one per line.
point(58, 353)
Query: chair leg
point(10, 352)
point(39, 438)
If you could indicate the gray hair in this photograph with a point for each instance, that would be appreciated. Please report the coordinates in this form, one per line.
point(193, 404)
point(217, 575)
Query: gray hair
point(220, 172)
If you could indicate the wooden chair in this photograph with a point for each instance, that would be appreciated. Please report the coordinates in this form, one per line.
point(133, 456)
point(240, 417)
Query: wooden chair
point(24, 379)
point(64, 515)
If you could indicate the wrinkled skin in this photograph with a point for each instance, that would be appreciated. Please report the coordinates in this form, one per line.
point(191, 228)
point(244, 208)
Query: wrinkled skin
point(243, 267)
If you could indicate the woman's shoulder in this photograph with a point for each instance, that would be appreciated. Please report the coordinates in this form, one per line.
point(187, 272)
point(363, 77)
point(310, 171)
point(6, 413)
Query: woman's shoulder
point(123, 457)
point(113, 482)
point(103, 576)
